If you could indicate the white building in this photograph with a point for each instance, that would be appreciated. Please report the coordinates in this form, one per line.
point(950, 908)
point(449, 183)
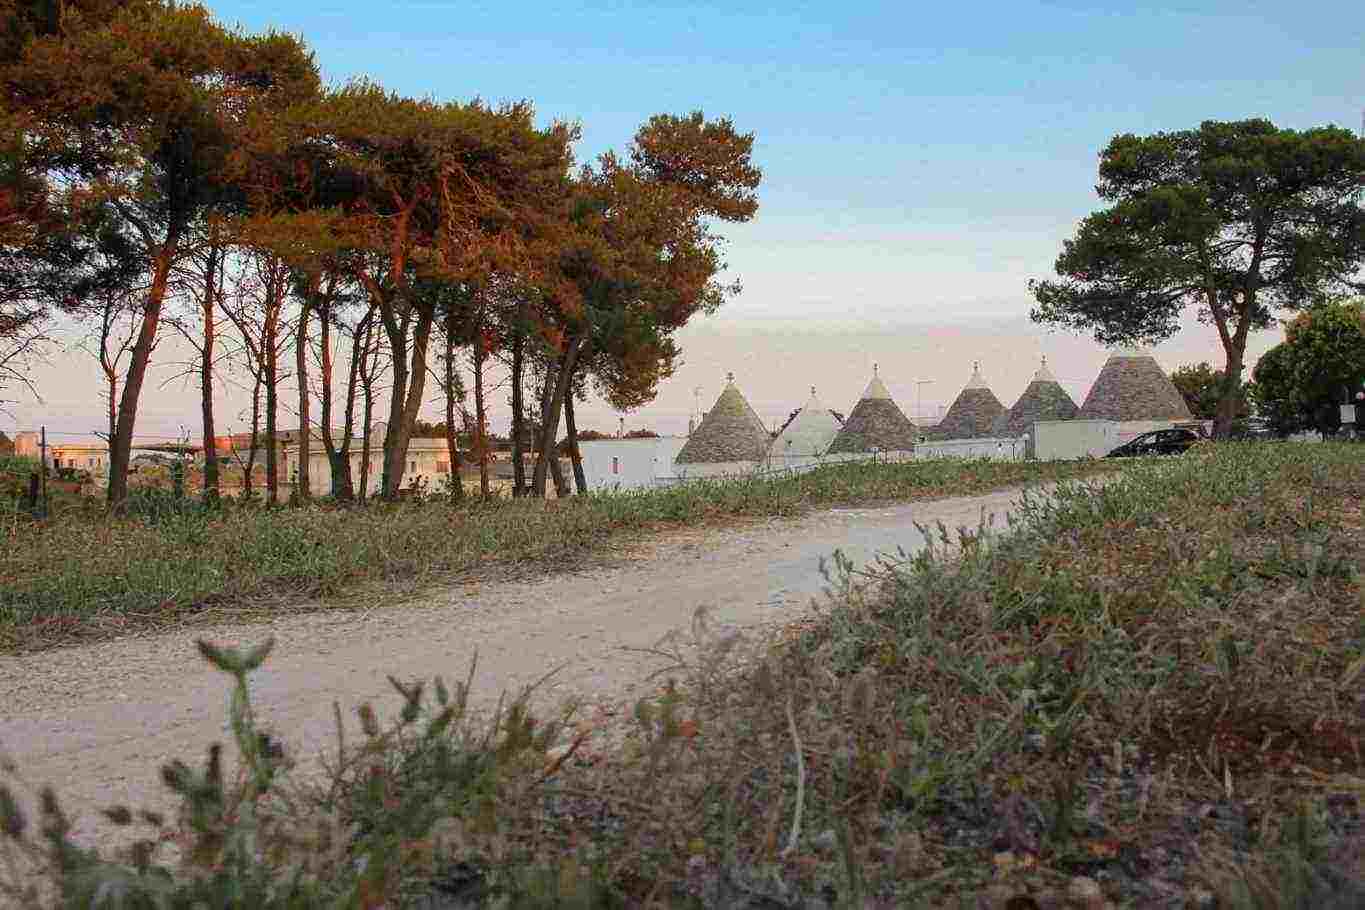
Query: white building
point(428, 463)
point(807, 435)
point(629, 464)
point(730, 441)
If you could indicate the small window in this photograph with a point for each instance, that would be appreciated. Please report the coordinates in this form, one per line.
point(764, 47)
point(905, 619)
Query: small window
point(412, 466)
point(71, 462)
point(615, 465)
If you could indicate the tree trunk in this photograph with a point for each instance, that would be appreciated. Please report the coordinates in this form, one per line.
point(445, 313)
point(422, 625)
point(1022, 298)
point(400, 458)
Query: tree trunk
point(391, 478)
point(366, 370)
point(451, 434)
point(1235, 347)
point(552, 403)
point(544, 451)
point(211, 484)
point(304, 487)
point(270, 354)
point(481, 416)
point(112, 378)
point(575, 457)
point(339, 457)
point(518, 412)
point(557, 475)
point(250, 469)
point(1226, 413)
point(121, 445)
point(335, 457)
point(403, 408)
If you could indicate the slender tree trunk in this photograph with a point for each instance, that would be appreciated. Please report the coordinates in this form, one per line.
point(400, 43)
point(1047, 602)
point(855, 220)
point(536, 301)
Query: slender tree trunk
point(518, 412)
point(557, 475)
point(339, 457)
point(270, 352)
point(452, 440)
point(551, 406)
point(250, 469)
point(305, 485)
point(111, 377)
point(366, 368)
point(211, 483)
point(346, 490)
point(325, 398)
point(109, 366)
point(121, 445)
point(481, 416)
point(391, 479)
point(576, 457)
point(403, 408)
point(545, 452)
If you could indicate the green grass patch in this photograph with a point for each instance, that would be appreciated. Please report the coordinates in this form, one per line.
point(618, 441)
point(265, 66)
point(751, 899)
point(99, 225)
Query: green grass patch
point(84, 574)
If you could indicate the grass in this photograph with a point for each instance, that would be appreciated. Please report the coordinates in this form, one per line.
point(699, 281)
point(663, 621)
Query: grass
point(1149, 693)
point(83, 574)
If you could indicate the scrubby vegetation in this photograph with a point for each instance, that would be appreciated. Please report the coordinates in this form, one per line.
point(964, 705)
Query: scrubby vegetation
point(1147, 693)
point(86, 574)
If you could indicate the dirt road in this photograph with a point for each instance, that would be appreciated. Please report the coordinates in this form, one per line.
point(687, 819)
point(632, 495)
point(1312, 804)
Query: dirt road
point(97, 721)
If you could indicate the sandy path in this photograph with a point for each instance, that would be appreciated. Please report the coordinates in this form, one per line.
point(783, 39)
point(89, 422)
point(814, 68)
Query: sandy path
point(97, 721)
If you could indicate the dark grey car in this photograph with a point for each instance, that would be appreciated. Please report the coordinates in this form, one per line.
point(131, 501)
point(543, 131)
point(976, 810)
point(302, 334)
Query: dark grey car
point(1174, 441)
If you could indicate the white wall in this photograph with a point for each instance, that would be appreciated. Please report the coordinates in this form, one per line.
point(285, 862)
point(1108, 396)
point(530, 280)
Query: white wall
point(783, 462)
point(993, 448)
point(1057, 440)
point(628, 464)
point(693, 470)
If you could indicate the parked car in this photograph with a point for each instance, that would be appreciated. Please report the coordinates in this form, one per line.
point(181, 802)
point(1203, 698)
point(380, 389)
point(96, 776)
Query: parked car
point(1174, 441)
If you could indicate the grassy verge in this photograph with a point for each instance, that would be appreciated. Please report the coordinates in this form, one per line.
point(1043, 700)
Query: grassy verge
point(83, 574)
point(1149, 694)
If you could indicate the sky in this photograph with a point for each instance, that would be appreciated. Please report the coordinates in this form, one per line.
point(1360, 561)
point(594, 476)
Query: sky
point(921, 163)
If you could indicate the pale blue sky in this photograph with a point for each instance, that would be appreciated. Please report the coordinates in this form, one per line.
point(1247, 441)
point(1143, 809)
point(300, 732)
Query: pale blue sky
point(921, 162)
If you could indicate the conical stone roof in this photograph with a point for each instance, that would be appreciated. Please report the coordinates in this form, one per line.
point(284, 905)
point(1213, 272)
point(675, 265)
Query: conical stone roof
point(730, 431)
point(974, 412)
point(1044, 399)
point(810, 432)
point(875, 422)
point(1132, 386)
